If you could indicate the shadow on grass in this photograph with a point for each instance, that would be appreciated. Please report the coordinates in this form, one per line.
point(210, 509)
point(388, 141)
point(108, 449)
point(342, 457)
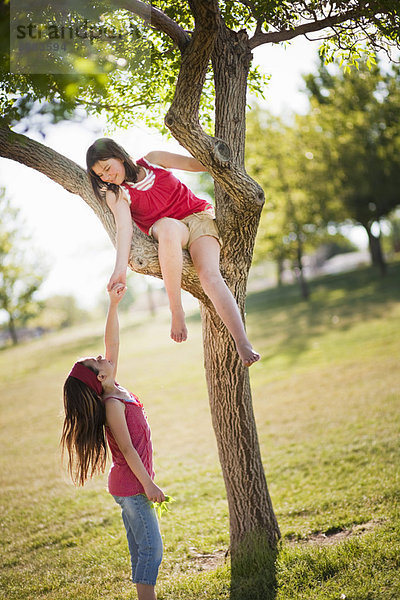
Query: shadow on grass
point(253, 571)
point(337, 302)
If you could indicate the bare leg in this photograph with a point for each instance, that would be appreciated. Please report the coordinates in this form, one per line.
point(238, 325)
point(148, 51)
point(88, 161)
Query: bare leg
point(205, 256)
point(145, 592)
point(172, 235)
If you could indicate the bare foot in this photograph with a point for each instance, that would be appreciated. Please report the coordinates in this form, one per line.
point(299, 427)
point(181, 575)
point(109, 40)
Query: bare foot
point(248, 355)
point(178, 326)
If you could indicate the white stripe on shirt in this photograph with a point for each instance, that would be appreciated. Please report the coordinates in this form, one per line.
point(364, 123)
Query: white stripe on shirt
point(147, 182)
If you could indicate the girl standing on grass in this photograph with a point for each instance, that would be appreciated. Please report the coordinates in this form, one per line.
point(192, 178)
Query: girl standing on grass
point(164, 208)
point(96, 408)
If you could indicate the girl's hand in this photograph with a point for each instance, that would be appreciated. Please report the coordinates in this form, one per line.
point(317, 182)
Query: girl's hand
point(117, 292)
point(118, 277)
point(163, 507)
point(153, 492)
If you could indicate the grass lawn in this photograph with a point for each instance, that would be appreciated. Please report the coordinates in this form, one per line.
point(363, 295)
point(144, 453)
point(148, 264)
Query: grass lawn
point(326, 397)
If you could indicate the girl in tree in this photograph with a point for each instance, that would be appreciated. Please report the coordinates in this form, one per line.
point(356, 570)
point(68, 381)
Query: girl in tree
point(96, 408)
point(163, 207)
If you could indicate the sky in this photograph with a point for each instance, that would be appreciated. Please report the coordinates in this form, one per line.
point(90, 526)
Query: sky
point(65, 233)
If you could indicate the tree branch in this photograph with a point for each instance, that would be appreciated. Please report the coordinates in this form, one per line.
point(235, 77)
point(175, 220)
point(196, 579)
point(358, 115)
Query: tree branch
point(107, 106)
point(183, 116)
point(194, 65)
point(68, 174)
point(156, 19)
point(288, 34)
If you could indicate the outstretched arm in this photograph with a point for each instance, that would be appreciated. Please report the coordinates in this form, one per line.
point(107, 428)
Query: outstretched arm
point(169, 160)
point(111, 334)
point(123, 220)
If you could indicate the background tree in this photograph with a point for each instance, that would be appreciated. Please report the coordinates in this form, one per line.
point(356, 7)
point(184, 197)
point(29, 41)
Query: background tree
point(60, 311)
point(292, 224)
point(189, 41)
point(354, 136)
point(19, 280)
point(393, 236)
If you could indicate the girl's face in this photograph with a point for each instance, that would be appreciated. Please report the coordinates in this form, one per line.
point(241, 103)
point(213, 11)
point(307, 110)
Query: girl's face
point(101, 364)
point(111, 170)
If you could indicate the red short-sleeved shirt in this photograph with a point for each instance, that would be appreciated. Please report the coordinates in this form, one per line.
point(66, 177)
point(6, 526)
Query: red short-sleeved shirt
point(167, 197)
point(121, 480)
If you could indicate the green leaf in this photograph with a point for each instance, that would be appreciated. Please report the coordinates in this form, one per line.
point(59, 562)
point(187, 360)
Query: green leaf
point(163, 507)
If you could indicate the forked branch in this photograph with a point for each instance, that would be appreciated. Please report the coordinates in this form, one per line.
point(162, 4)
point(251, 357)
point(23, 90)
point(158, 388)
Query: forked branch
point(183, 116)
point(290, 33)
point(68, 174)
point(157, 19)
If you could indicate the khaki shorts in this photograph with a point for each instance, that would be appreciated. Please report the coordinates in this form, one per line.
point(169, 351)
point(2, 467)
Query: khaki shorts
point(199, 224)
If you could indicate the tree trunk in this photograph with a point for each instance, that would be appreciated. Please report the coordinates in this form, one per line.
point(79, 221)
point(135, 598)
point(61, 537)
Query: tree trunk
point(299, 271)
point(238, 206)
point(279, 271)
point(250, 508)
point(375, 248)
point(12, 330)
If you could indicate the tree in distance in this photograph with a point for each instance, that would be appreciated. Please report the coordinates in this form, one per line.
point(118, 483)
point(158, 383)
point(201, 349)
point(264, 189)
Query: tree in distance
point(353, 134)
point(19, 279)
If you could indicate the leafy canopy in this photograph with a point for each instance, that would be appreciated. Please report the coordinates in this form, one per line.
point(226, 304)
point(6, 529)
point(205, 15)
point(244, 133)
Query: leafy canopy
point(138, 73)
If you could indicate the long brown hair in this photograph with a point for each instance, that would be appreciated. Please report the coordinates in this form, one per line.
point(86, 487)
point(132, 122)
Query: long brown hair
point(103, 149)
point(83, 435)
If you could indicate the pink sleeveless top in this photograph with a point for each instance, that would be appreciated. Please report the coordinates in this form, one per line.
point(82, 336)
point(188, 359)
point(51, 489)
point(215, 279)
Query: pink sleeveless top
point(167, 197)
point(121, 480)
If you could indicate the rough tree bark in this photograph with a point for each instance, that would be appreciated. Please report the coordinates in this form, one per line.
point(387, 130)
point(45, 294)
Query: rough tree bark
point(250, 506)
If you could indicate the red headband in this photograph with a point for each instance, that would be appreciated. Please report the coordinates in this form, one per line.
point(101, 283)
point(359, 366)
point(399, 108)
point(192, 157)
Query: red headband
point(86, 375)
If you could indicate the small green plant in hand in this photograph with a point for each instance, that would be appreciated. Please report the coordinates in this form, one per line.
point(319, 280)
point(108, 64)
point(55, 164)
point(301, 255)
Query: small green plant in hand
point(163, 507)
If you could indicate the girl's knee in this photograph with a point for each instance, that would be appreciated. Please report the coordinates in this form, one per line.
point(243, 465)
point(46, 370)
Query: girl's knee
point(148, 563)
point(168, 230)
point(163, 224)
point(158, 553)
point(166, 226)
point(209, 278)
point(152, 547)
point(152, 553)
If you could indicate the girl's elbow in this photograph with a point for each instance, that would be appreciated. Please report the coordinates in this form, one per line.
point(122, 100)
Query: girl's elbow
point(126, 450)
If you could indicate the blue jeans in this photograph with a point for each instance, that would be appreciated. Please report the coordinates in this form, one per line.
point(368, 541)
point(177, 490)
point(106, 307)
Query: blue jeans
point(144, 538)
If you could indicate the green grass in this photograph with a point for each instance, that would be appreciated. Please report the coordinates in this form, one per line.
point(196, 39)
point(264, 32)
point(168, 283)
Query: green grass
point(326, 397)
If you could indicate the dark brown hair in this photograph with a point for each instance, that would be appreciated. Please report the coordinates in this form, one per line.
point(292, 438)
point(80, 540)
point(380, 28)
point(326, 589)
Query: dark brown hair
point(103, 149)
point(83, 435)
